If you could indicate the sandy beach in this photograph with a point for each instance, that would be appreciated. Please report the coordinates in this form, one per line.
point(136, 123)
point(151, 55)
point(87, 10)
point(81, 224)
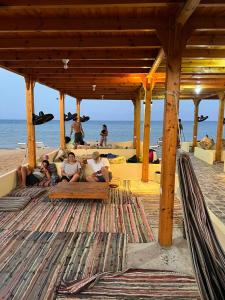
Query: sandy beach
point(10, 159)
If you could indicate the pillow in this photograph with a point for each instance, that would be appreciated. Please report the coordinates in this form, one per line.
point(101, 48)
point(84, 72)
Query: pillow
point(118, 160)
point(206, 143)
point(60, 156)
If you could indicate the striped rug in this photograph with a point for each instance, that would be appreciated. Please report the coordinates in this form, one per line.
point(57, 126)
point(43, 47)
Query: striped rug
point(83, 216)
point(33, 263)
point(30, 262)
point(132, 284)
point(13, 203)
point(151, 207)
point(32, 192)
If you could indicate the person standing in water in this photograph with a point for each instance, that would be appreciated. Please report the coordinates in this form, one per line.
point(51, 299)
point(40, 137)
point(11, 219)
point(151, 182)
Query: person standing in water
point(78, 130)
point(103, 135)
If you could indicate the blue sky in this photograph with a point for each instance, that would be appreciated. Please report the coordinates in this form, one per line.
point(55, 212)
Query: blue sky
point(12, 104)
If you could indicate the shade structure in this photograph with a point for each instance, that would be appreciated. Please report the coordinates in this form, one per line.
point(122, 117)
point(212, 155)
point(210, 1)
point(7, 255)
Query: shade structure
point(112, 45)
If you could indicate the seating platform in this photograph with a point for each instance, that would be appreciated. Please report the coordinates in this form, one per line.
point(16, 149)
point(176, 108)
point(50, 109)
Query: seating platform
point(80, 190)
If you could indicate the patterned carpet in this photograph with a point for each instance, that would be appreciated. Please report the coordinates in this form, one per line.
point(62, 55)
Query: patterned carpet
point(13, 203)
point(83, 216)
point(133, 284)
point(151, 207)
point(33, 263)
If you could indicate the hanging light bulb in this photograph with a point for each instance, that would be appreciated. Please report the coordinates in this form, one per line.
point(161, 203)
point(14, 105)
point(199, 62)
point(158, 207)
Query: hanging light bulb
point(65, 61)
point(198, 89)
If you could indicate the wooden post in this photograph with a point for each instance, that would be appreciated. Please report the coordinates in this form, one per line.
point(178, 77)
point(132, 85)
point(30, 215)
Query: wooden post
point(138, 126)
point(31, 144)
point(219, 135)
point(173, 66)
point(78, 101)
point(195, 128)
point(135, 121)
point(146, 137)
point(62, 122)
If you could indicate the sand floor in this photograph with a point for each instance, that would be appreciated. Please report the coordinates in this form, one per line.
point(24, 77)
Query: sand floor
point(11, 158)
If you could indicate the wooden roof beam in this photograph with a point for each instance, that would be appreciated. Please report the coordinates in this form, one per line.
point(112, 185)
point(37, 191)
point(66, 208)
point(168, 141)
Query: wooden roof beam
point(32, 4)
point(160, 57)
point(39, 72)
point(79, 64)
point(40, 54)
point(71, 24)
point(187, 10)
point(78, 42)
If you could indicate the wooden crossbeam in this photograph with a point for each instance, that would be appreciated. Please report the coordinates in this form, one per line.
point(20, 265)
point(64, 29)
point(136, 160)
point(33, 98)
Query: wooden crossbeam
point(79, 24)
point(117, 53)
point(39, 71)
point(160, 57)
point(80, 64)
point(78, 42)
point(34, 4)
point(187, 10)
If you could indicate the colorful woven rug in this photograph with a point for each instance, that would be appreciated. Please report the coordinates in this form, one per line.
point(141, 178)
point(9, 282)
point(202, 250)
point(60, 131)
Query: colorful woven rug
point(83, 216)
point(32, 263)
point(13, 203)
point(92, 253)
point(29, 263)
point(151, 207)
point(132, 284)
point(32, 192)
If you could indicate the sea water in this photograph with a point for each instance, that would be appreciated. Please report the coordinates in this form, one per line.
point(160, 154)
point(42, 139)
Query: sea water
point(14, 131)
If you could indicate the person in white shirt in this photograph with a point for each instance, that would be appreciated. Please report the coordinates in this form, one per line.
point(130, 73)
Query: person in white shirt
point(71, 169)
point(100, 166)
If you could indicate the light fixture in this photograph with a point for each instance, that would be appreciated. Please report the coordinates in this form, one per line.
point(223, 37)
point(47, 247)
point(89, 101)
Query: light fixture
point(198, 89)
point(93, 87)
point(65, 61)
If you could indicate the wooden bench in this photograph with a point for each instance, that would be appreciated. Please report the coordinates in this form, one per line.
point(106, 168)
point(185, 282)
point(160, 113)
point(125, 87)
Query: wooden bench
point(80, 190)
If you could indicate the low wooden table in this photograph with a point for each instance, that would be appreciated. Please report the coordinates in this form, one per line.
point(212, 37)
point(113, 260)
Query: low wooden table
point(80, 190)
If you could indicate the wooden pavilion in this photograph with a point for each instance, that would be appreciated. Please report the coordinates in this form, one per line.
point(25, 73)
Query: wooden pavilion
point(129, 49)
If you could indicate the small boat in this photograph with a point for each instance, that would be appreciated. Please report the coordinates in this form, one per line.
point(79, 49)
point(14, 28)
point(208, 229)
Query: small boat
point(202, 118)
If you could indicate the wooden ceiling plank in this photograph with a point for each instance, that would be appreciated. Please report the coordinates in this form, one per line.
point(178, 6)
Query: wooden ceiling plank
point(79, 42)
point(25, 4)
point(71, 24)
point(129, 53)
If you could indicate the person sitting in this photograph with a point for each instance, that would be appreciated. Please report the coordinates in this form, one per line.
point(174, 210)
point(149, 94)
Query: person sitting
point(45, 169)
point(100, 166)
point(71, 169)
point(103, 135)
point(28, 177)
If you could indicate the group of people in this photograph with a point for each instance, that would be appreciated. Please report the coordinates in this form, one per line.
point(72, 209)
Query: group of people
point(71, 171)
point(76, 127)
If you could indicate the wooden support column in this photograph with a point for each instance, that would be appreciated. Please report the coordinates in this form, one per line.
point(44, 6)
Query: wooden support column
point(169, 148)
point(62, 122)
point(146, 137)
point(78, 101)
point(134, 129)
point(219, 135)
point(31, 143)
point(138, 125)
point(195, 128)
